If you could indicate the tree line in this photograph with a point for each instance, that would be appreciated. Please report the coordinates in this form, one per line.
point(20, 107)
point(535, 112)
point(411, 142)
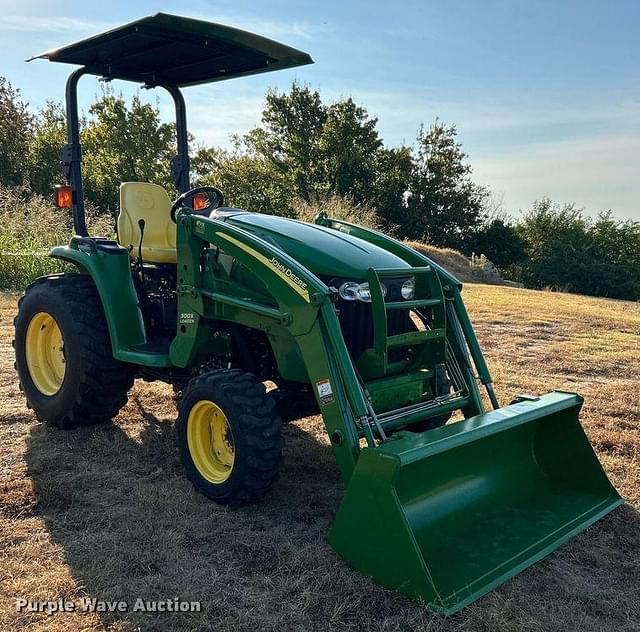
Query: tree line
point(306, 152)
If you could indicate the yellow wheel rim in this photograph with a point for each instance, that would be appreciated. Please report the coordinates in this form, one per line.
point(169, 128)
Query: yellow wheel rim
point(210, 441)
point(44, 350)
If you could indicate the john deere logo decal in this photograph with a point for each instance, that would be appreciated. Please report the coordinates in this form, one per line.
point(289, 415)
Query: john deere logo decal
point(296, 279)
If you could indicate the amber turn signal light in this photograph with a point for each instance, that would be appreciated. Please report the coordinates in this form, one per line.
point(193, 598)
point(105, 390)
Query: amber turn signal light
point(64, 197)
point(200, 201)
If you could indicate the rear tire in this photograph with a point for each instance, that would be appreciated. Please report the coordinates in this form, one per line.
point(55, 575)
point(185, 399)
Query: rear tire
point(64, 361)
point(228, 434)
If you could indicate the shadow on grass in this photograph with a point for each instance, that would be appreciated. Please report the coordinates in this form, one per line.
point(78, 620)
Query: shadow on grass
point(131, 525)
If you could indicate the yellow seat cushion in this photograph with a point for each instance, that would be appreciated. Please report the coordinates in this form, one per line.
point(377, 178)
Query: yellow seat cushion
point(150, 202)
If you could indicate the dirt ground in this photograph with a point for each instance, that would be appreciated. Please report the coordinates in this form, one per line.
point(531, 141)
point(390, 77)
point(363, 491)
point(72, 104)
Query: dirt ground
point(106, 512)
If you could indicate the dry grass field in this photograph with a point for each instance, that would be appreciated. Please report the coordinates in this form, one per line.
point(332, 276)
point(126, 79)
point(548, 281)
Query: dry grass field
point(106, 512)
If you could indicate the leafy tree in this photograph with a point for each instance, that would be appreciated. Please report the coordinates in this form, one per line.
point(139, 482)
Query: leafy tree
point(49, 136)
point(497, 239)
point(393, 169)
point(123, 144)
point(617, 265)
point(348, 145)
point(566, 251)
point(15, 127)
point(119, 144)
point(559, 251)
point(204, 162)
point(321, 150)
point(318, 151)
point(248, 181)
point(444, 203)
point(290, 138)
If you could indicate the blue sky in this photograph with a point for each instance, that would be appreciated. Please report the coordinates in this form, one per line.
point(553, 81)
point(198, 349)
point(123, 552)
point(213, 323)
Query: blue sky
point(546, 95)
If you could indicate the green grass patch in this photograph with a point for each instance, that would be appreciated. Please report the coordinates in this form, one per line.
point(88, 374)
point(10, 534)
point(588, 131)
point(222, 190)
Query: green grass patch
point(29, 227)
point(17, 270)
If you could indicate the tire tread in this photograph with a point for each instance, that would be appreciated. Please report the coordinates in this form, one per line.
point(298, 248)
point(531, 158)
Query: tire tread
point(256, 415)
point(105, 381)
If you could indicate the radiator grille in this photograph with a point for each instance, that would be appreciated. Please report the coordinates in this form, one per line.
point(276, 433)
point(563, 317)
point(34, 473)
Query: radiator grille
point(356, 322)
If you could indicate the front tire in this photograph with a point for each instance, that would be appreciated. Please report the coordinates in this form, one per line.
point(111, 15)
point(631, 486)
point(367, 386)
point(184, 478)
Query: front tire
point(228, 434)
point(63, 353)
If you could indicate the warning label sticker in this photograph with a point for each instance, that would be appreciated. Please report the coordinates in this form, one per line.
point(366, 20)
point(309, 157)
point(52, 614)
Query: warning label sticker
point(325, 392)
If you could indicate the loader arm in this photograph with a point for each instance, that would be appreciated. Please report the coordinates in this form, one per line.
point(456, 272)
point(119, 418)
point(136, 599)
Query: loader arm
point(304, 308)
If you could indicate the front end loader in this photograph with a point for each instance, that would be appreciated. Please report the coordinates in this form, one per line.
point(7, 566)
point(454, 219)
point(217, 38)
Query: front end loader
point(444, 500)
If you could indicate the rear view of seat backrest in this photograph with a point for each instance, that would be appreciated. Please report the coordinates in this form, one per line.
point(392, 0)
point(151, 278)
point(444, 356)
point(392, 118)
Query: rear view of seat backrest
point(150, 202)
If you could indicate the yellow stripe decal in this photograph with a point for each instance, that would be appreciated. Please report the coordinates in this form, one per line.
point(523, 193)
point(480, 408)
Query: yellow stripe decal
point(279, 268)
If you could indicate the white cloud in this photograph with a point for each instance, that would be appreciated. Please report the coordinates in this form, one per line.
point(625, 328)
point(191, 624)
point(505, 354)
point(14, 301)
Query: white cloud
point(424, 104)
point(267, 27)
point(597, 173)
point(212, 121)
point(58, 24)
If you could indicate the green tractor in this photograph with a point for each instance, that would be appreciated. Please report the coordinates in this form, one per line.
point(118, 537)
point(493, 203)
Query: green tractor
point(344, 320)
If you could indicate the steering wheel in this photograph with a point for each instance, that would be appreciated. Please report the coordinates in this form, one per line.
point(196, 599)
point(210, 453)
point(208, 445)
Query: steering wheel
point(215, 201)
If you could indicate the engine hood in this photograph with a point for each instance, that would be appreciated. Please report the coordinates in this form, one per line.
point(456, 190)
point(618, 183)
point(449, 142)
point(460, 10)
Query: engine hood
point(323, 251)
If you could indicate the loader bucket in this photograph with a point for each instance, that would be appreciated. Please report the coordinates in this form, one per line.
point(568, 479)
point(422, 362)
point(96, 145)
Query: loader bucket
point(448, 514)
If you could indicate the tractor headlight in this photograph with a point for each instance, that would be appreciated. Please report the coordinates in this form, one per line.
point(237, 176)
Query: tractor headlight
point(408, 289)
point(364, 292)
point(352, 291)
point(349, 291)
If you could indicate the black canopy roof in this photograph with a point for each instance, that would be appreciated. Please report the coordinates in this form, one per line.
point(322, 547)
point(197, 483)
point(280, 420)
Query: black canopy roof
point(168, 49)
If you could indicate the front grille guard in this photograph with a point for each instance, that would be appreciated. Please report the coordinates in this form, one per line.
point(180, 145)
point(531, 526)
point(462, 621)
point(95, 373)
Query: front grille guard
point(428, 295)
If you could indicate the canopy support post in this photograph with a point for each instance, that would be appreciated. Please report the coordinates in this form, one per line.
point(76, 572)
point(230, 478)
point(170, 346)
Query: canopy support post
point(180, 165)
point(71, 154)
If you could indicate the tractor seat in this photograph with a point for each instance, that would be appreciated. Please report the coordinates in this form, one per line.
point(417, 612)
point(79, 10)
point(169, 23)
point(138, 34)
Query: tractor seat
point(150, 202)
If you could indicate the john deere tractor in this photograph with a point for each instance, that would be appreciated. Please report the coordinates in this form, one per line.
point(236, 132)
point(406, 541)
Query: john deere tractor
point(344, 320)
